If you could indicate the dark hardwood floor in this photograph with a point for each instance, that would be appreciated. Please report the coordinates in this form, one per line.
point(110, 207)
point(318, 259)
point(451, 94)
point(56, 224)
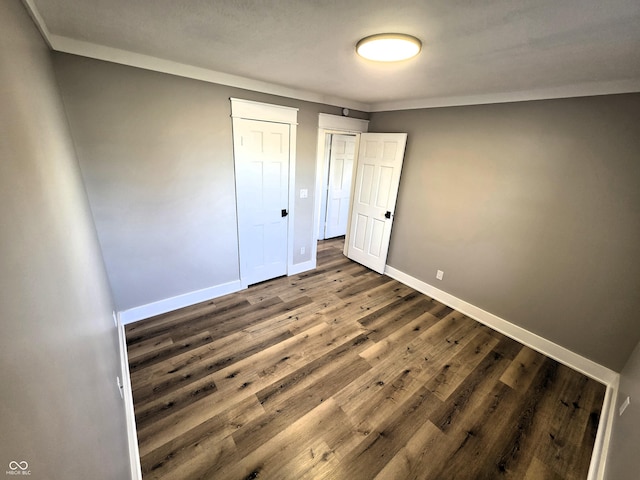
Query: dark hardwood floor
point(342, 373)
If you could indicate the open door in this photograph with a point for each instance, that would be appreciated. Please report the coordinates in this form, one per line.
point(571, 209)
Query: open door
point(379, 165)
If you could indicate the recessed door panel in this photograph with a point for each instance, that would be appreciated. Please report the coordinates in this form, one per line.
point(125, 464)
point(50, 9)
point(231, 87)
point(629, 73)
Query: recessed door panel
point(377, 238)
point(365, 181)
point(385, 185)
point(360, 232)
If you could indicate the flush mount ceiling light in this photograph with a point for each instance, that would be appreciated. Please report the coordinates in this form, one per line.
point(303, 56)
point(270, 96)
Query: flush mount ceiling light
point(388, 47)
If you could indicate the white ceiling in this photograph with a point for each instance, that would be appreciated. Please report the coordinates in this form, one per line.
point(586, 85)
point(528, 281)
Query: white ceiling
point(474, 51)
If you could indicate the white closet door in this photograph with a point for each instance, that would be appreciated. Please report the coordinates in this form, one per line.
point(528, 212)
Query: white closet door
point(341, 161)
point(261, 151)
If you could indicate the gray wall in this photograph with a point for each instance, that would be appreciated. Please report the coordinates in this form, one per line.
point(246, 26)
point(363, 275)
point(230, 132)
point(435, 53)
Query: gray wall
point(156, 155)
point(624, 462)
point(532, 210)
point(60, 409)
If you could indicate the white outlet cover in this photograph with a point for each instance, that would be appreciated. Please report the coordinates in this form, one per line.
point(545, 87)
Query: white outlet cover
point(304, 193)
point(624, 405)
point(439, 274)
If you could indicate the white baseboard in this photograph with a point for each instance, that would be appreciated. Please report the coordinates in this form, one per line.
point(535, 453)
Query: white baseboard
point(532, 340)
point(180, 301)
point(132, 432)
point(302, 267)
point(561, 354)
point(597, 467)
point(191, 298)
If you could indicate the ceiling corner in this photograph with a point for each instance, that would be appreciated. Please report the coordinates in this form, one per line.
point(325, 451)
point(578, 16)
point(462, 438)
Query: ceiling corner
point(39, 21)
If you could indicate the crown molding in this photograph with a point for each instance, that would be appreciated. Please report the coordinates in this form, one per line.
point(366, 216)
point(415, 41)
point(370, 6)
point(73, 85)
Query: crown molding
point(568, 91)
point(38, 20)
point(147, 62)
point(123, 57)
point(91, 50)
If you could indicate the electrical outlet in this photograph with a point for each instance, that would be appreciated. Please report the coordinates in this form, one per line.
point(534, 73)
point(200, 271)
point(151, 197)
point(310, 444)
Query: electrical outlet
point(302, 250)
point(304, 193)
point(624, 405)
point(120, 387)
point(439, 274)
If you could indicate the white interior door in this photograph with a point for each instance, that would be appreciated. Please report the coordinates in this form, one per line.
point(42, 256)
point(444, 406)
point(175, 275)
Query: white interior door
point(379, 165)
point(261, 152)
point(342, 155)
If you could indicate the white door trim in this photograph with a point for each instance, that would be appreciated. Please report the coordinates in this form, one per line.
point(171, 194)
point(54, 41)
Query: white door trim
point(328, 124)
point(266, 112)
point(263, 111)
point(344, 124)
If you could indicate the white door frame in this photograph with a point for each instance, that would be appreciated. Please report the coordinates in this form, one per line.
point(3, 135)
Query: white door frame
point(249, 110)
point(329, 124)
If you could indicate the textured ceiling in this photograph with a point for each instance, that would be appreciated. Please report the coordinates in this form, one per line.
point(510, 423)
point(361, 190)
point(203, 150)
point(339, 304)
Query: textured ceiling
point(472, 49)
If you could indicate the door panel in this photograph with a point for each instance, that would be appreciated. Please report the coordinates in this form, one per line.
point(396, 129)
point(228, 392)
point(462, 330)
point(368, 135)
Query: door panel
point(261, 151)
point(339, 186)
point(376, 189)
point(360, 231)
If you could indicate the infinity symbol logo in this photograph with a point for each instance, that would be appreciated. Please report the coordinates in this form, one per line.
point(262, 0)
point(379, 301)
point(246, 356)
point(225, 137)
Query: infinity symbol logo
point(13, 465)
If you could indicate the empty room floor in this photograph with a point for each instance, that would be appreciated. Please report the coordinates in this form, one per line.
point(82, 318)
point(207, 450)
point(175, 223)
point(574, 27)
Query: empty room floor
point(342, 373)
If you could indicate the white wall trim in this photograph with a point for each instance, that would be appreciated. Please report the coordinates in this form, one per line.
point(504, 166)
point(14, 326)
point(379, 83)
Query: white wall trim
point(598, 465)
point(123, 57)
point(130, 417)
point(538, 343)
point(147, 62)
point(561, 354)
point(39, 21)
point(180, 301)
point(567, 91)
point(302, 267)
point(293, 147)
point(265, 112)
point(346, 124)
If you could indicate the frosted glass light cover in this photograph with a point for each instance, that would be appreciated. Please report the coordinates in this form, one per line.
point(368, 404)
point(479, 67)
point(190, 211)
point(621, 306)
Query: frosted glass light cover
point(388, 47)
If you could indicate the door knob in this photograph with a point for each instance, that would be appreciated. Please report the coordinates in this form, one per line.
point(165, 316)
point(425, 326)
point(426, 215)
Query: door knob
point(388, 214)
point(284, 212)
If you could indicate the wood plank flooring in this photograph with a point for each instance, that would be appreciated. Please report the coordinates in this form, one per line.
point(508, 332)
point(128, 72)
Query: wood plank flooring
point(342, 373)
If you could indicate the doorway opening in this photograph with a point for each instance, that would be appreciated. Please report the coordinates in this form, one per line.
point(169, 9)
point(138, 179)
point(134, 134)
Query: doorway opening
point(328, 127)
point(337, 181)
point(367, 208)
